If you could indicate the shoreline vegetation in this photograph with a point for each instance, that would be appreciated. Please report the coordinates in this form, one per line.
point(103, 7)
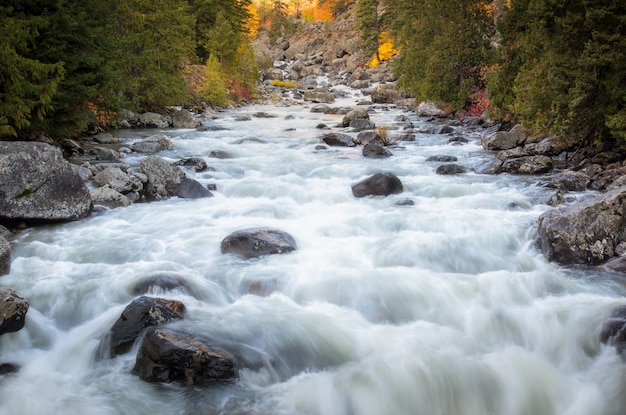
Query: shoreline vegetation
point(557, 68)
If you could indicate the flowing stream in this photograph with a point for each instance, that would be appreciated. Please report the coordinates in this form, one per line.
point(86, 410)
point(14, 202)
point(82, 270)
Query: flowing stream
point(443, 307)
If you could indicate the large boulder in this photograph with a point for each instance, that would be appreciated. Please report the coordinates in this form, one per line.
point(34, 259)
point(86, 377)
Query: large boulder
point(167, 356)
point(355, 114)
point(38, 184)
point(504, 140)
point(385, 94)
point(182, 118)
point(587, 232)
point(319, 95)
point(429, 109)
point(528, 165)
point(256, 242)
point(192, 189)
point(13, 309)
point(450, 169)
point(143, 312)
point(153, 144)
point(380, 184)
point(375, 150)
point(163, 178)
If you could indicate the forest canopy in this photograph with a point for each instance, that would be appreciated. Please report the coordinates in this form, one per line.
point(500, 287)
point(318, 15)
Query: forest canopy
point(557, 66)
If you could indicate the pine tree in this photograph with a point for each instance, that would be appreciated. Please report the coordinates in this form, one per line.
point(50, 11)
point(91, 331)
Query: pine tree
point(26, 85)
point(366, 19)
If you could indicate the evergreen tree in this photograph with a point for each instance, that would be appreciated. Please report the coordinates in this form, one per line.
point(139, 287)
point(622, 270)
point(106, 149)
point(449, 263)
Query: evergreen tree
point(445, 44)
point(155, 41)
point(366, 19)
point(26, 85)
point(563, 67)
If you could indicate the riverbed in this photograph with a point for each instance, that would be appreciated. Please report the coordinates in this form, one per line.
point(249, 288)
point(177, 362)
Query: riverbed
point(438, 306)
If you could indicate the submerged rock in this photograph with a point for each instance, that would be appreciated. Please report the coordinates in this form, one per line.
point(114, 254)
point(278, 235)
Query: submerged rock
point(168, 356)
point(13, 309)
point(256, 242)
point(143, 312)
point(380, 184)
point(614, 329)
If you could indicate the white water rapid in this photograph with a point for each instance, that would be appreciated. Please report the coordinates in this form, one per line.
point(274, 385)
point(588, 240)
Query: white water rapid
point(444, 307)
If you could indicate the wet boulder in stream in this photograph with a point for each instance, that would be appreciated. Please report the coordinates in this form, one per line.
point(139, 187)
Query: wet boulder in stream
point(13, 309)
point(614, 329)
point(587, 232)
point(380, 184)
point(355, 114)
point(338, 140)
point(163, 178)
point(5, 254)
point(167, 356)
point(143, 312)
point(256, 242)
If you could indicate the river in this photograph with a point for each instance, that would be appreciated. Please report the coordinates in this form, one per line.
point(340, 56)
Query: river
point(443, 307)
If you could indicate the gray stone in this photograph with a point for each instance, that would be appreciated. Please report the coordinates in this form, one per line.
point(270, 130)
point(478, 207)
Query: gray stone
point(528, 165)
point(141, 313)
point(182, 118)
point(504, 140)
point(375, 150)
point(587, 232)
point(192, 189)
point(380, 184)
point(39, 185)
point(153, 144)
point(167, 356)
point(163, 178)
point(428, 109)
point(488, 166)
point(105, 196)
point(118, 180)
point(385, 94)
point(153, 120)
point(355, 114)
point(13, 309)
point(320, 95)
point(5, 256)
point(256, 242)
point(338, 140)
point(450, 169)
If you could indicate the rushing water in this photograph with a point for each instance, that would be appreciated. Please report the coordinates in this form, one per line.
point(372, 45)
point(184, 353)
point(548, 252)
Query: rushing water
point(444, 307)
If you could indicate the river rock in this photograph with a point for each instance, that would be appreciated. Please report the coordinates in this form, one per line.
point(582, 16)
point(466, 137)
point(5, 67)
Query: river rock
point(182, 118)
point(355, 114)
point(153, 144)
point(442, 158)
point(118, 180)
point(528, 165)
point(106, 138)
point(585, 233)
point(375, 151)
point(38, 184)
point(571, 180)
point(163, 281)
point(153, 120)
point(380, 184)
point(367, 137)
point(362, 124)
point(111, 198)
point(385, 94)
point(13, 309)
point(450, 169)
point(428, 109)
point(143, 312)
point(614, 329)
point(191, 189)
point(167, 356)
point(338, 140)
point(163, 179)
point(504, 140)
point(319, 95)
point(5, 256)
point(198, 163)
point(256, 242)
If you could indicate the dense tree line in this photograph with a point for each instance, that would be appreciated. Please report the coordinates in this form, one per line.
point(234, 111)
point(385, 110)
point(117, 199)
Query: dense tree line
point(65, 62)
point(559, 66)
